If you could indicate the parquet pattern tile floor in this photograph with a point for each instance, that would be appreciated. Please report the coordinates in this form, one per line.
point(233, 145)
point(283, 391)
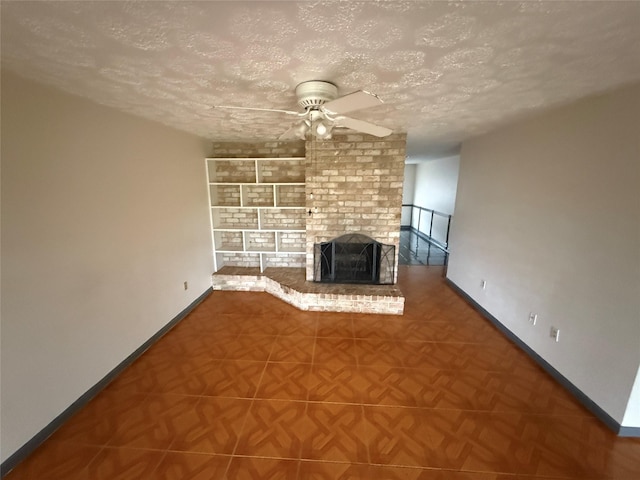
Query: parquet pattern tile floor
point(248, 387)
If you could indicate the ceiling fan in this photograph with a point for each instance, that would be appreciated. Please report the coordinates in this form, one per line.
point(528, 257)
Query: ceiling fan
point(323, 111)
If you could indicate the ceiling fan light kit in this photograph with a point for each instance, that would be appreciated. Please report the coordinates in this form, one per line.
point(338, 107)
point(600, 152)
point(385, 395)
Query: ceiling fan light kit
point(322, 130)
point(300, 130)
point(323, 111)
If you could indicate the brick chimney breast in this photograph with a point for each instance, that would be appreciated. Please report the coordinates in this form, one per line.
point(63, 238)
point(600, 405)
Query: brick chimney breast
point(354, 185)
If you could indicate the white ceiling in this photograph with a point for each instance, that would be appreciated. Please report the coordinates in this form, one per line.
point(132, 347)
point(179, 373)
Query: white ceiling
point(445, 70)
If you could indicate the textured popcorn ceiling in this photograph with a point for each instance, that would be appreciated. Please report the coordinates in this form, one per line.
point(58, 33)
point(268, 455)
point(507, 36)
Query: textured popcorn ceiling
point(445, 70)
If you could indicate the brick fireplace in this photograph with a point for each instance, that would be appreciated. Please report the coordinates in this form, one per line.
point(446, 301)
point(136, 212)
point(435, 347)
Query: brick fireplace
point(352, 185)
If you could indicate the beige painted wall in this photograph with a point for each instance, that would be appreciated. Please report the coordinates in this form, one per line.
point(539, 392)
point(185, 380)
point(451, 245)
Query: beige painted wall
point(436, 185)
point(408, 188)
point(548, 213)
point(104, 216)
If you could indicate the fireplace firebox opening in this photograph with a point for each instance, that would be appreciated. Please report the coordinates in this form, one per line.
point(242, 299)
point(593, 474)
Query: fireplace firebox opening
point(354, 258)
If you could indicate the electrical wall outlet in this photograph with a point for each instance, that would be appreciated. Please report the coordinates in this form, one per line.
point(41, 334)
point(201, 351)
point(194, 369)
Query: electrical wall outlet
point(555, 333)
point(186, 285)
point(533, 318)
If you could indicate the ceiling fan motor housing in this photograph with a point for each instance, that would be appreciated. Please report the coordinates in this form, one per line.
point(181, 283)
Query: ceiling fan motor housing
point(314, 93)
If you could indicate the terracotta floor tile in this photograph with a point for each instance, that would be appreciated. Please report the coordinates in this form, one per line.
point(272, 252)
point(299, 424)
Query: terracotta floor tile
point(397, 436)
point(248, 385)
point(191, 466)
point(334, 351)
point(153, 422)
point(244, 303)
point(250, 347)
point(334, 432)
point(428, 474)
point(334, 325)
point(261, 325)
point(336, 383)
point(122, 464)
point(98, 422)
point(195, 345)
point(273, 428)
point(216, 345)
point(620, 458)
point(531, 391)
point(499, 357)
point(379, 352)
point(384, 327)
point(386, 385)
point(293, 349)
point(430, 355)
point(306, 316)
point(206, 325)
point(233, 378)
point(285, 381)
point(213, 425)
point(459, 389)
point(310, 470)
point(181, 375)
point(450, 331)
point(464, 356)
point(313, 470)
point(128, 382)
point(509, 476)
point(505, 442)
point(55, 460)
point(273, 306)
point(298, 324)
point(157, 357)
point(212, 344)
point(216, 323)
point(245, 468)
point(417, 331)
point(584, 445)
point(479, 441)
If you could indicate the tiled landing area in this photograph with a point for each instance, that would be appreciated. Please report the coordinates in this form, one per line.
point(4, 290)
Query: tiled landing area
point(290, 285)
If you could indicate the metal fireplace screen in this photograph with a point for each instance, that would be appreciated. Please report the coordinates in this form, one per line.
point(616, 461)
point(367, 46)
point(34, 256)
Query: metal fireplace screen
point(354, 258)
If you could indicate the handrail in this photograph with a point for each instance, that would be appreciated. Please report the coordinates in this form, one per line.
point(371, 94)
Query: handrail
point(430, 234)
point(426, 209)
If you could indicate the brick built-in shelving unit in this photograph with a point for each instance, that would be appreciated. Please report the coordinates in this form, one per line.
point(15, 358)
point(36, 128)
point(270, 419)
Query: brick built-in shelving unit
point(257, 211)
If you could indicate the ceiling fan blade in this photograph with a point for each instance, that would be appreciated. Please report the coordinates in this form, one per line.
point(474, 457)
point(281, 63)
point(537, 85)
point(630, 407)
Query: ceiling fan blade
point(351, 102)
point(288, 112)
point(297, 131)
point(362, 126)
point(290, 134)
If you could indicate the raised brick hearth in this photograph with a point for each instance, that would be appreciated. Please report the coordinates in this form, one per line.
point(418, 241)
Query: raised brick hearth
point(291, 286)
